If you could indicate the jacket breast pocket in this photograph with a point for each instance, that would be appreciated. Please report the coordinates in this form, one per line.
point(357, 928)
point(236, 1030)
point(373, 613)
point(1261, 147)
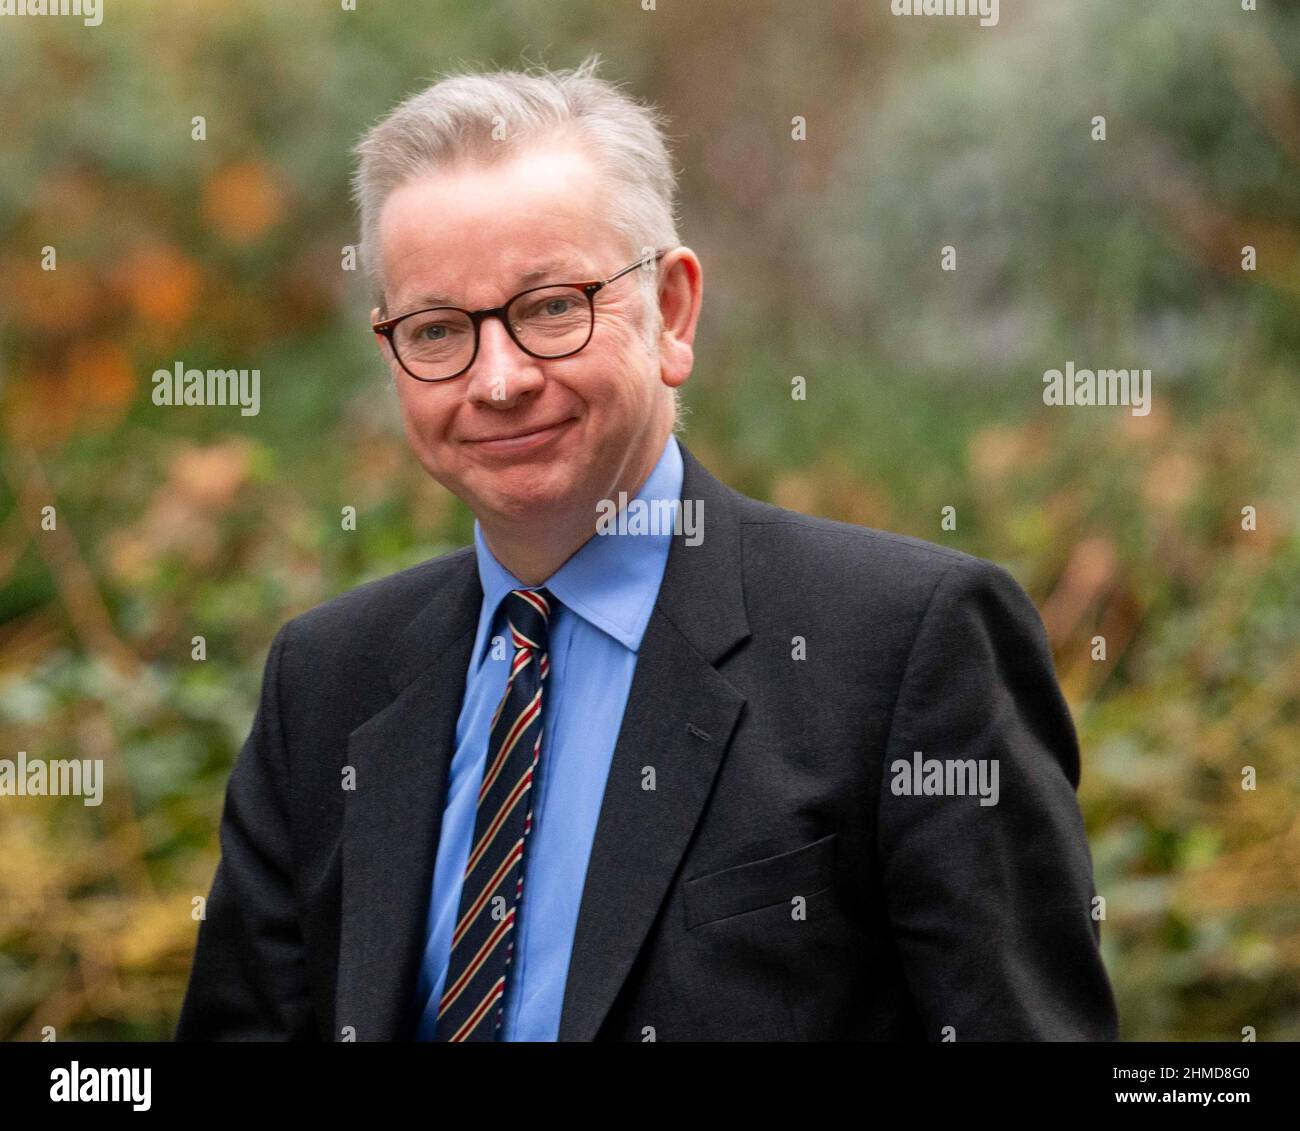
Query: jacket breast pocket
point(760, 883)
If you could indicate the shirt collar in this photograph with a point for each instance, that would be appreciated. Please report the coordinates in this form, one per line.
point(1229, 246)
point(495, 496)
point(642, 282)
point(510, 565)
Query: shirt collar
point(611, 581)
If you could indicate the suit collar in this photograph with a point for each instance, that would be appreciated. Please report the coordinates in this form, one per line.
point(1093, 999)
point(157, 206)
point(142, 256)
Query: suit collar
point(703, 589)
point(679, 707)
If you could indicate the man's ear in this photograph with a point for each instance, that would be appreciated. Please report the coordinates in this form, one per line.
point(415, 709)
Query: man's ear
point(680, 296)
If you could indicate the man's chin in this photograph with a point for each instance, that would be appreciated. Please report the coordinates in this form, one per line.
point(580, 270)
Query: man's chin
point(525, 495)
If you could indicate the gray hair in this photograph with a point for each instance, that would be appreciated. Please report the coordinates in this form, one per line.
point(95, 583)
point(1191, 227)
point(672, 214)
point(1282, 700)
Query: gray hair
point(491, 117)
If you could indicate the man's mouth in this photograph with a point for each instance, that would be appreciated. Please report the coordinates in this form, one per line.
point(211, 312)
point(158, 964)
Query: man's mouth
point(519, 439)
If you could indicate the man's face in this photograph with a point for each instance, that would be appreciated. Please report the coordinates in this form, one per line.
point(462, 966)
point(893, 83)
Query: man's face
point(519, 438)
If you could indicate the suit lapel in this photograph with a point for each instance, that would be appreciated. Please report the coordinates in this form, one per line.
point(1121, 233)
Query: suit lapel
point(392, 819)
point(676, 728)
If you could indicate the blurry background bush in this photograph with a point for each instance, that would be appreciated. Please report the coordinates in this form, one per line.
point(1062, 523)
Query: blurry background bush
point(821, 260)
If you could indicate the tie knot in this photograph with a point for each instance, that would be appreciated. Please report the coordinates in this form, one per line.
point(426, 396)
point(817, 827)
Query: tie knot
point(528, 612)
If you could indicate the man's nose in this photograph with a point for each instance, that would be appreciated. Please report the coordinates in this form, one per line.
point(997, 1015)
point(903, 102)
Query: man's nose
point(502, 372)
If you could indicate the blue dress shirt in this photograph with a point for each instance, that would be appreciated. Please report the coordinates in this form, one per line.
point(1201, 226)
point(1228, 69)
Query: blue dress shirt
point(606, 592)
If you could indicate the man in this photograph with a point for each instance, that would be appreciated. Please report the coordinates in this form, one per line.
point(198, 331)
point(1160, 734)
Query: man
point(651, 760)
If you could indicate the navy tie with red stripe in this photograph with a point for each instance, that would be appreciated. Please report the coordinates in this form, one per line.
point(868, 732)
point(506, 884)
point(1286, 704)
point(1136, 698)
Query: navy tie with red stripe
point(472, 1006)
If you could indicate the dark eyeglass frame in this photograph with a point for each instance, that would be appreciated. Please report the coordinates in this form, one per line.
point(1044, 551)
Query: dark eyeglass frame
point(588, 288)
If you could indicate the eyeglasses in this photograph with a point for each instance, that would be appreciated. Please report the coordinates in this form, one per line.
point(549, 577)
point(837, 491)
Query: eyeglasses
point(546, 322)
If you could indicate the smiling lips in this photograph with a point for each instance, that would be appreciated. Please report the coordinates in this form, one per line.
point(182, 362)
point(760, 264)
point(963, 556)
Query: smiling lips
point(522, 439)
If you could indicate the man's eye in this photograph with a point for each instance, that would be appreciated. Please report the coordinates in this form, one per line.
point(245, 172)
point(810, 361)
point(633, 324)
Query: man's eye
point(551, 307)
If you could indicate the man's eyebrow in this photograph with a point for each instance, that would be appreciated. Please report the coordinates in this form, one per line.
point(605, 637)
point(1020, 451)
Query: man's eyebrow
point(553, 270)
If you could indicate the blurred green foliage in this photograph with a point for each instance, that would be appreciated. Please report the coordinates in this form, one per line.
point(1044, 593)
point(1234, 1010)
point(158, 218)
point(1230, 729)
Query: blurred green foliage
point(821, 260)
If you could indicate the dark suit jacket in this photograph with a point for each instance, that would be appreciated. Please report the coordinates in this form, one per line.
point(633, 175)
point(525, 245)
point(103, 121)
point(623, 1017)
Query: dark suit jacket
point(771, 885)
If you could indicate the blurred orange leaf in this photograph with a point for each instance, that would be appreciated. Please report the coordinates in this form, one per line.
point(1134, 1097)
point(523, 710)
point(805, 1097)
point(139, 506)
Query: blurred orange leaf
point(242, 201)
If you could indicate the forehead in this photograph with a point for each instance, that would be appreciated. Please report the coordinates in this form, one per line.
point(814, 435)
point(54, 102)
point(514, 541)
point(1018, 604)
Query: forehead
point(475, 234)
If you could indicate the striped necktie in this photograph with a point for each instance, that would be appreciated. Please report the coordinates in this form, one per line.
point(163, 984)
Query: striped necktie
point(473, 999)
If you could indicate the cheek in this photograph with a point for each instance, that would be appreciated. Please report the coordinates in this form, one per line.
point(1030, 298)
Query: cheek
point(425, 417)
point(621, 376)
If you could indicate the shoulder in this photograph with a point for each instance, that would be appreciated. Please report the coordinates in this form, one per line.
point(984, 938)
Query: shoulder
point(787, 547)
point(356, 630)
point(386, 601)
point(903, 597)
